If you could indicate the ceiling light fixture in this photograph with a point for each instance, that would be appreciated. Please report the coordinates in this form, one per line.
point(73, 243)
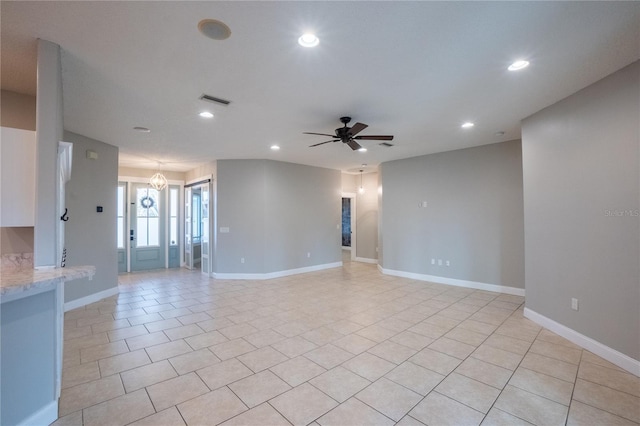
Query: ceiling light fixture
point(518, 65)
point(467, 125)
point(308, 40)
point(206, 114)
point(158, 181)
point(275, 148)
point(361, 189)
point(362, 149)
point(141, 129)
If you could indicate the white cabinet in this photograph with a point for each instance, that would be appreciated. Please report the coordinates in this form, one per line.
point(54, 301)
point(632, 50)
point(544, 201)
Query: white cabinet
point(17, 177)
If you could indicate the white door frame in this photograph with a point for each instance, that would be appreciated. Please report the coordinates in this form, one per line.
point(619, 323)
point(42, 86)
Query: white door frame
point(353, 197)
point(207, 268)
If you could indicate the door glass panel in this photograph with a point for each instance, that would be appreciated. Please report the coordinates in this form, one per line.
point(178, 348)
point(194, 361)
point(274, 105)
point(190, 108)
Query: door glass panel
point(196, 215)
point(120, 216)
point(346, 222)
point(204, 230)
point(173, 216)
point(188, 249)
point(147, 220)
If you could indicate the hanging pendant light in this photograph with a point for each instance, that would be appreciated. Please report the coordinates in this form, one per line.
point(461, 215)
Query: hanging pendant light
point(361, 189)
point(158, 181)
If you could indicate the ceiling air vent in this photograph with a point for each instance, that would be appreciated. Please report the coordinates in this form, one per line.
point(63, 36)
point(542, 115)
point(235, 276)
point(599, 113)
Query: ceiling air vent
point(215, 100)
point(387, 144)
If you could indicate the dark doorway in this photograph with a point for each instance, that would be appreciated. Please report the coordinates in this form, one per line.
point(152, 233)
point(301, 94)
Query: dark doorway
point(346, 222)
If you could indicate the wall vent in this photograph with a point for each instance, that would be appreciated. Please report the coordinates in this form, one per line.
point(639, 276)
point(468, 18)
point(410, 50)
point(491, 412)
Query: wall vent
point(215, 100)
point(387, 144)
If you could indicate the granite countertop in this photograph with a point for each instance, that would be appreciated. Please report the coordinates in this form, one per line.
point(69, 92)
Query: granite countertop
point(18, 279)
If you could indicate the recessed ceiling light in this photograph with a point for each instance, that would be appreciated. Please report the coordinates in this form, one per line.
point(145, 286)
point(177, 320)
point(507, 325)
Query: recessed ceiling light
point(518, 65)
point(275, 148)
point(206, 114)
point(141, 129)
point(308, 40)
point(467, 125)
point(214, 29)
point(362, 149)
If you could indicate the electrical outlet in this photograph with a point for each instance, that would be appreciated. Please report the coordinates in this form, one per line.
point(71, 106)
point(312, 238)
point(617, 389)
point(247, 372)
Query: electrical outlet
point(447, 263)
point(433, 261)
point(574, 303)
point(308, 254)
point(242, 260)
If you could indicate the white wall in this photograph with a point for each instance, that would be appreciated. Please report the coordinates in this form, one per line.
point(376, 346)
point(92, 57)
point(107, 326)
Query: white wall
point(581, 201)
point(206, 169)
point(473, 218)
point(147, 173)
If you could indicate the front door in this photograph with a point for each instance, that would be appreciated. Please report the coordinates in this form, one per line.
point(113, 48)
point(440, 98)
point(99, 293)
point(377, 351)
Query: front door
point(147, 239)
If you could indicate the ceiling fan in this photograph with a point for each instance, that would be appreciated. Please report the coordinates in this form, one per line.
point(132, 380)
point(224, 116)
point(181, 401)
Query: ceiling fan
point(348, 135)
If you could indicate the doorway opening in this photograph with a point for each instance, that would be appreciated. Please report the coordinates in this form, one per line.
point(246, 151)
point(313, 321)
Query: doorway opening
point(349, 224)
point(198, 224)
point(148, 225)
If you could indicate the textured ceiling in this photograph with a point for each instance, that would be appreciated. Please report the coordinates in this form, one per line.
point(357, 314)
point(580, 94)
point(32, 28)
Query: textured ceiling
point(416, 70)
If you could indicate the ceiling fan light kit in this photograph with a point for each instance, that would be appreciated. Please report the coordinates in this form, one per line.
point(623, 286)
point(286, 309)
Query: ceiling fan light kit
point(347, 135)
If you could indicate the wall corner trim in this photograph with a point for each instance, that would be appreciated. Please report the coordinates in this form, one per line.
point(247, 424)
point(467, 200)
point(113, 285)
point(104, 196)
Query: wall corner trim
point(78, 303)
point(455, 282)
point(621, 360)
point(44, 416)
point(366, 260)
point(277, 274)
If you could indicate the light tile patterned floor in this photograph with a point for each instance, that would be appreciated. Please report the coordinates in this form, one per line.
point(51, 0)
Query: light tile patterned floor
point(346, 346)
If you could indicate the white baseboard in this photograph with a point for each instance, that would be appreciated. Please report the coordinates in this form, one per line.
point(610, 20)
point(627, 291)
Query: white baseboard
point(366, 260)
point(455, 282)
point(621, 360)
point(277, 274)
point(44, 416)
point(346, 248)
point(78, 303)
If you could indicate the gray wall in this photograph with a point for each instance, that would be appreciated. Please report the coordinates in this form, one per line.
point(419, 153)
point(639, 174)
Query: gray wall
point(241, 208)
point(49, 125)
point(277, 213)
point(473, 218)
point(581, 166)
point(90, 237)
point(19, 112)
point(28, 351)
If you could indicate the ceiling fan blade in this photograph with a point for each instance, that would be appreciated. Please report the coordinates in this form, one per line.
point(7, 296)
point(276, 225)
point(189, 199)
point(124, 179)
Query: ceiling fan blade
point(353, 144)
point(321, 134)
point(357, 128)
point(375, 137)
point(322, 143)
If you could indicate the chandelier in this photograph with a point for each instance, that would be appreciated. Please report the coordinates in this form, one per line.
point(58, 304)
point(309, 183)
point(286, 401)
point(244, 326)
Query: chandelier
point(158, 181)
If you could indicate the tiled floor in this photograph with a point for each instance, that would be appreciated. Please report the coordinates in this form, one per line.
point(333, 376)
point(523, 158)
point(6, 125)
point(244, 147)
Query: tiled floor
point(346, 346)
